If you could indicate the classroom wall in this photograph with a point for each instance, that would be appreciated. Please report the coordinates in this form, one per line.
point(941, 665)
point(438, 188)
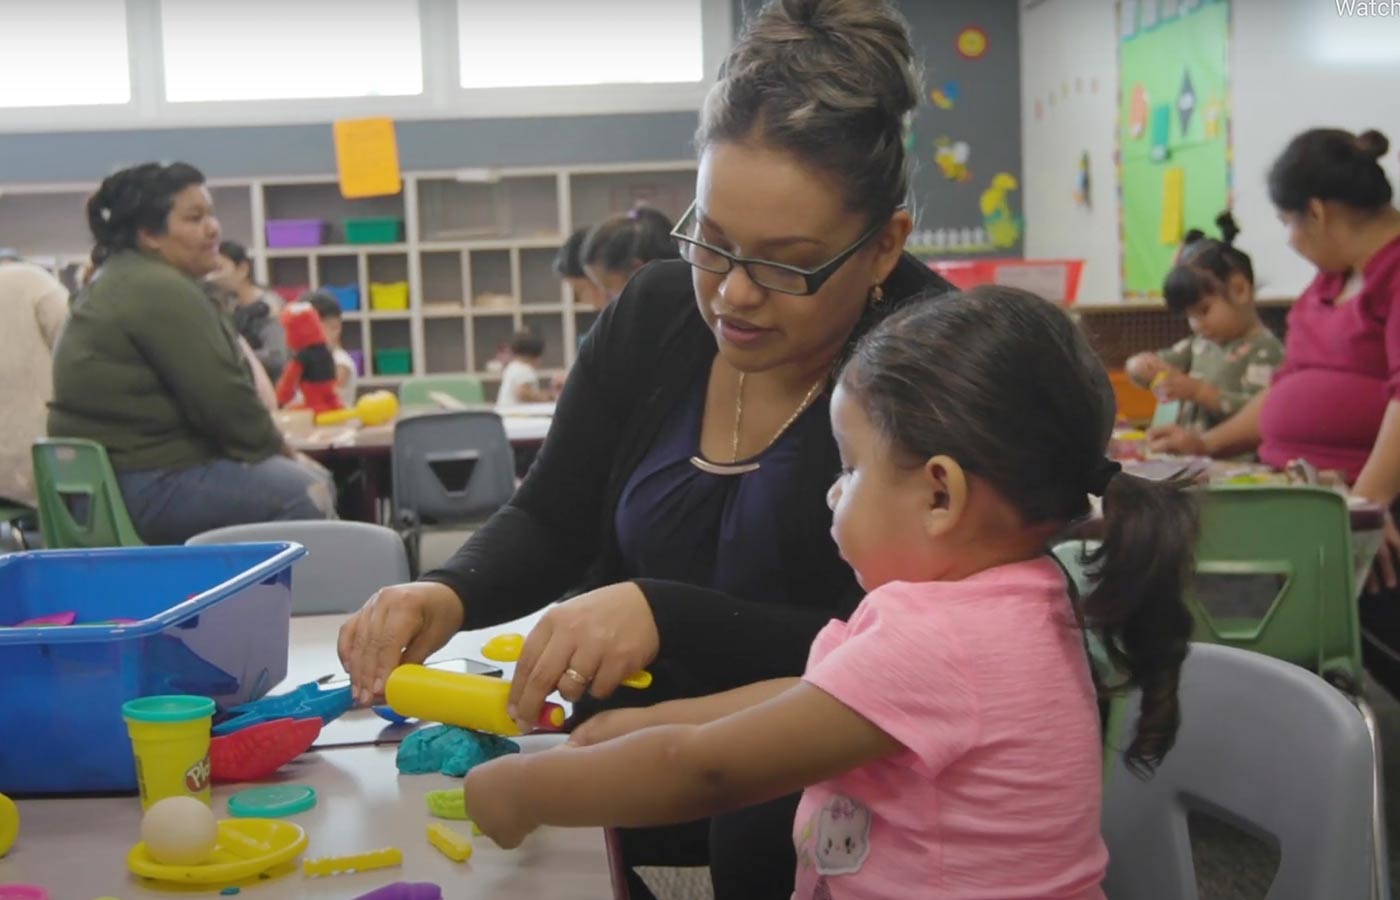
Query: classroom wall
point(1294, 64)
point(986, 118)
point(307, 149)
point(1068, 95)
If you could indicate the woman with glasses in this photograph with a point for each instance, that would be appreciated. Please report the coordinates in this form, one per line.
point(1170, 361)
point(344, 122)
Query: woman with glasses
point(680, 498)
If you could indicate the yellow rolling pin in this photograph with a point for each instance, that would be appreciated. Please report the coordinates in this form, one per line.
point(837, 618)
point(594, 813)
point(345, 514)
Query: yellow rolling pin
point(457, 698)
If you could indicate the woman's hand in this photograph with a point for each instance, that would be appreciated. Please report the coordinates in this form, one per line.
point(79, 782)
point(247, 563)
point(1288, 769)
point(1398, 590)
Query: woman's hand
point(402, 623)
point(587, 644)
point(612, 723)
point(1385, 572)
point(497, 802)
point(1176, 439)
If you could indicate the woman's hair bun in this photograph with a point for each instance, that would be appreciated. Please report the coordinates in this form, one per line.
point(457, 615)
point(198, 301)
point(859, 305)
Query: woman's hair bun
point(1373, 143)
point(1229, 228)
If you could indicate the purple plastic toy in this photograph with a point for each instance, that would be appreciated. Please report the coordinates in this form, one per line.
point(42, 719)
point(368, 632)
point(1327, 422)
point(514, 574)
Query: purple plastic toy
point(403, 890)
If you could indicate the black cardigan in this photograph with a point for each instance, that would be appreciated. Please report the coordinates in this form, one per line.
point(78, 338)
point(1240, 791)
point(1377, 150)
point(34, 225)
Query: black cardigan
point(557, 537)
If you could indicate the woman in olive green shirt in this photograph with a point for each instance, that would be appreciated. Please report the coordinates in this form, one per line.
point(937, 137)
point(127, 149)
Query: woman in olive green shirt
point(150, 367)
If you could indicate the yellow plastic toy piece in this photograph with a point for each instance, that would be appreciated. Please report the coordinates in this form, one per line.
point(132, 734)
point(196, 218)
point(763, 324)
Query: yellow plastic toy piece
point(504, 647)
point(358, 862)
point(245, 849)
point(455, 698)
point(374, 408)
point(454, 846)
point(9, 824)
point(507, 648)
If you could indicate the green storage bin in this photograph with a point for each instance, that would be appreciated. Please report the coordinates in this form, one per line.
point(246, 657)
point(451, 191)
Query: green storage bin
point(393, 361)
point(373, 230)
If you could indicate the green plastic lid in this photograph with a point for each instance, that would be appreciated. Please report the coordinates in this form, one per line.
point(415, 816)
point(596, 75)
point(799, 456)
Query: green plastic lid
point(168, 708)
point(272, 802)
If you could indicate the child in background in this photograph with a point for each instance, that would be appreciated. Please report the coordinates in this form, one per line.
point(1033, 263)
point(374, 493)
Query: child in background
point(520, 381)
point(568, 265)
point(333, 323)
point(619, 246)
point(948, 734)
point(1230, 356)
point(254, 309)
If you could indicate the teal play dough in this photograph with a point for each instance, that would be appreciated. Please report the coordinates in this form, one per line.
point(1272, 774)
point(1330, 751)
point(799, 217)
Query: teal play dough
point(450, 750)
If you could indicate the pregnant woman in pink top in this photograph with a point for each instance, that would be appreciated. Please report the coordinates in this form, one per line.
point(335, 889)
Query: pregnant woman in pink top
point(1336, 400)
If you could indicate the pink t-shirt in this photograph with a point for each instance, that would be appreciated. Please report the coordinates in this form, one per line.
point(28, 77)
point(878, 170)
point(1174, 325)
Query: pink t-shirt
point(986, 683)
point(1341, 366)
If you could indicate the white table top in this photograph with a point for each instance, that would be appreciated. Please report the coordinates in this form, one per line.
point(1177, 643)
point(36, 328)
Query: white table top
point(77, 848)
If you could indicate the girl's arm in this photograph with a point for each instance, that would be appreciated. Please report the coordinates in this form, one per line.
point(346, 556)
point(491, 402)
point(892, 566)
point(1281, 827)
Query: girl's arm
point(532, 393)
point(1237, 434)
point(675, 773)
point(691, 711)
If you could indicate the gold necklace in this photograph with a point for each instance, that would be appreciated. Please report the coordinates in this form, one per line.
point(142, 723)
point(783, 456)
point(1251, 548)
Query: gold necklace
point(734, 467)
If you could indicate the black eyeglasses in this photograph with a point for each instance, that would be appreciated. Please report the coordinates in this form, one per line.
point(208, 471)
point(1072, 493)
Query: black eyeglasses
point(774, 276)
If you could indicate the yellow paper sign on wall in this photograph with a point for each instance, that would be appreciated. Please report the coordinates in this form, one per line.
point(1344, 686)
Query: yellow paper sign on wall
point(367, 158)
point(1173, 204)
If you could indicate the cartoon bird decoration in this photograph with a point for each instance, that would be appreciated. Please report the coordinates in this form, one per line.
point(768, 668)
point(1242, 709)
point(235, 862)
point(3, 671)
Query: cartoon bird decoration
point(951, 159)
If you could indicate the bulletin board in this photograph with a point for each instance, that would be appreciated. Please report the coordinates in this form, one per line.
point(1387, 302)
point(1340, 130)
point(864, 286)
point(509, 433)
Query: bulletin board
point(1173, 130)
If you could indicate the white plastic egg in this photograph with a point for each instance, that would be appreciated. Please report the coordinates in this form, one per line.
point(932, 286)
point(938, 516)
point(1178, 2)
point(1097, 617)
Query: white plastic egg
point(179, 831)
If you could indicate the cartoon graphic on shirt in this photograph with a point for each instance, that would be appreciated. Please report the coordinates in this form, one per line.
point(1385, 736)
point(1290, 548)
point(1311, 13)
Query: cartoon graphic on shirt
point(842, 836)
point(835, 841)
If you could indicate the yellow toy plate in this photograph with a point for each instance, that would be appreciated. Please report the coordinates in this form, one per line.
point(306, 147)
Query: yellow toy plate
point(245, 848)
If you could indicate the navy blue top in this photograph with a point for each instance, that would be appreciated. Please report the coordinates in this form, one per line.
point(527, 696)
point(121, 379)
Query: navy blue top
point(678, 523)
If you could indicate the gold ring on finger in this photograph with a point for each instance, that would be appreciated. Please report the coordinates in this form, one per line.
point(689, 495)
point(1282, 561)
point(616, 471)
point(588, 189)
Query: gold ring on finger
point(577, 678)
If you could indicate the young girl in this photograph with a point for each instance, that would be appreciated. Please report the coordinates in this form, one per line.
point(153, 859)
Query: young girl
point(947, 735)
point(1230, 355)
point(618, 246)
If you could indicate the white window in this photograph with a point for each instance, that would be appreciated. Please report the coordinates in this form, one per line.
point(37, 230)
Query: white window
point(545, 43)
point(63, 53)
point(281, 50)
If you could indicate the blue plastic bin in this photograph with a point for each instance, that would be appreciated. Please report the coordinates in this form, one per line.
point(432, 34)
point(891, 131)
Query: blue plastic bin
point(210, 620)
point(348, 296)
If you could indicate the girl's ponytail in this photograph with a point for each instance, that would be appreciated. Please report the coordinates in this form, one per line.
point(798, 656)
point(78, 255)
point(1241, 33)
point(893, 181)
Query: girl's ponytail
point(1139, 574)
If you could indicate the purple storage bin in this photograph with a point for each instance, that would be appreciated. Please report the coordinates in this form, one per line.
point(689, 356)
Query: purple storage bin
point(359, 357)
point(295, 232)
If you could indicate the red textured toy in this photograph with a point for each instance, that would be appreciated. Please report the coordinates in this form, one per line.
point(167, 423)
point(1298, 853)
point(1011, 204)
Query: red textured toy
point(259, 750)
point(311, 368)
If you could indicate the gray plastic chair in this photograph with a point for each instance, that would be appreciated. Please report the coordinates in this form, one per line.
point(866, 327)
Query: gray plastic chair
point(1267, 747)
point(449, 468)
point(346, 562)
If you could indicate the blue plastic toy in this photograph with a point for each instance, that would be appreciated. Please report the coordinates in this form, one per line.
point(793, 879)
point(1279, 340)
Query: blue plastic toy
point(303, 703)
point(387, 714)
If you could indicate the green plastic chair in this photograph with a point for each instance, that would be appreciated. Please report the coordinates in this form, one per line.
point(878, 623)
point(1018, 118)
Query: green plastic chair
point(417, 391)
point(80, 502)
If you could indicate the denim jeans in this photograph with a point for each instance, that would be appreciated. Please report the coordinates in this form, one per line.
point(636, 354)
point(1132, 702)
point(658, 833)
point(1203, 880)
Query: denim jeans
point(169, 506)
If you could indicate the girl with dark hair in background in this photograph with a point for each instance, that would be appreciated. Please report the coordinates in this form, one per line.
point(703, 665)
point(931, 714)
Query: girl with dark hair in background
point(619, 246)
point(1230, 356)
point(679, 500)
point(254, 309)
point(568, 265)
point(971, 432)
point(150, 367)
point(1336, 400)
